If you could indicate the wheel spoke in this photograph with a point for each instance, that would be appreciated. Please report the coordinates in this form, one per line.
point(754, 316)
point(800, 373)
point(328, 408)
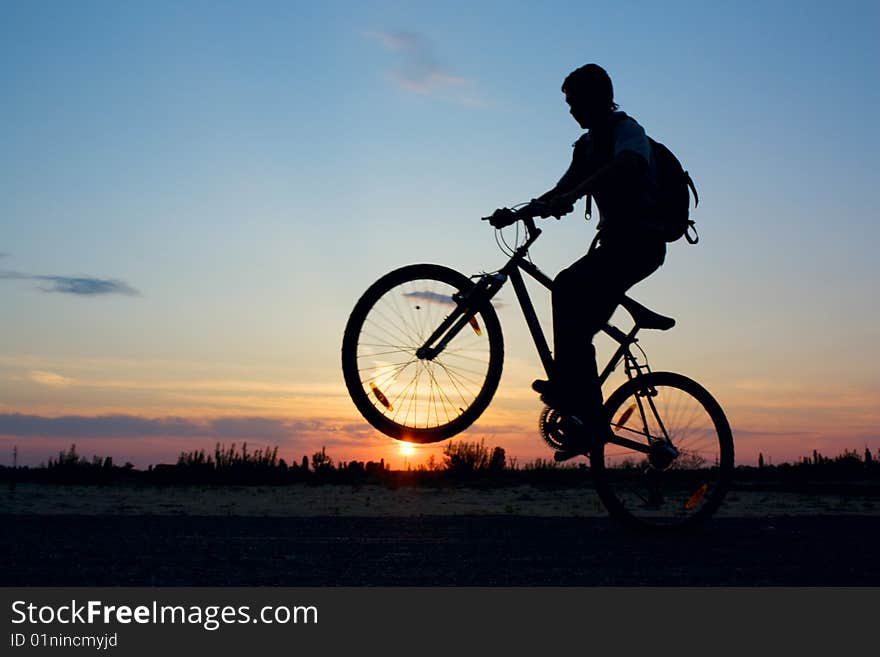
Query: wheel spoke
point(665, 488)
point(419, 400)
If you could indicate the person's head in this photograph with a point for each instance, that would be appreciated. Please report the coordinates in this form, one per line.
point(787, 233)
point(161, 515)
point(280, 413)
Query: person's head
point(589, 94)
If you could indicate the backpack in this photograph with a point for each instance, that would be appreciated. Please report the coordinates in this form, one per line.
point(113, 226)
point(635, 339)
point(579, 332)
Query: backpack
point(674, 185)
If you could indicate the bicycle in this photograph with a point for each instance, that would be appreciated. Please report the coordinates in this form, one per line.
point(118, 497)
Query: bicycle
point(422, 356)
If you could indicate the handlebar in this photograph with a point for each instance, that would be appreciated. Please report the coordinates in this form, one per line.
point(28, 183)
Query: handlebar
point(527, 215)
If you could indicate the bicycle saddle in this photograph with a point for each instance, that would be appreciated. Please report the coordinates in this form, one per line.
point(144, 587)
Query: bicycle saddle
point(645, 317)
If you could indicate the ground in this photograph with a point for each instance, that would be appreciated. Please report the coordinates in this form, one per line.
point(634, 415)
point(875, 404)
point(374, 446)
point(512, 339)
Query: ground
point(369, 535)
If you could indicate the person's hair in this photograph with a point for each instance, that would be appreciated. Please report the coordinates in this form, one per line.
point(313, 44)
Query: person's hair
point(593, 82)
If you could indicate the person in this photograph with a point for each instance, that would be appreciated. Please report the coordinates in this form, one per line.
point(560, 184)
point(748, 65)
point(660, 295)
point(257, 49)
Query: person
point(613, 164)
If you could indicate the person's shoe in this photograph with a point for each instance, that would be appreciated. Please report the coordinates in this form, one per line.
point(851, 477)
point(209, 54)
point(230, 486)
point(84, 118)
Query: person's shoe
point(568, 454)
point(579, 437)
point(550, 395)
point(542, 387)
point(582, 440)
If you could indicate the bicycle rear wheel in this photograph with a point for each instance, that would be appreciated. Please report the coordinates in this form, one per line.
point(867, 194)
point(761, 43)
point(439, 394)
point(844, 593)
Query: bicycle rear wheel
point(420, 400)
point(645, 483)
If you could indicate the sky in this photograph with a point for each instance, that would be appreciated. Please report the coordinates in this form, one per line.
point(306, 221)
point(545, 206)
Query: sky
point(193, 195)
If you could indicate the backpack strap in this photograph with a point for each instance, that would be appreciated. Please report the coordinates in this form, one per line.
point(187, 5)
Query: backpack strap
point(692, 226)
point(692, 239)
point(690, 182)
point(616, 119)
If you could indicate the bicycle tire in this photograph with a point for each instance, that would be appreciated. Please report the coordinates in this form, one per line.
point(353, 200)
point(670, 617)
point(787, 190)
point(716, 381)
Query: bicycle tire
point(687, 491)
point(460, 382)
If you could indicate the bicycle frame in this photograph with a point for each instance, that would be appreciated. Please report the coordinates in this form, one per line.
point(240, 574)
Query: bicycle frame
point(489, 285)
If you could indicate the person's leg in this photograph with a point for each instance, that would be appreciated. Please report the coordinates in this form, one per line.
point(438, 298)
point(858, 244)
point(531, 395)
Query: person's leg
point(584, 297)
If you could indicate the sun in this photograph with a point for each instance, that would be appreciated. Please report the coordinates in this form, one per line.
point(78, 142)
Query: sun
point(406, 449)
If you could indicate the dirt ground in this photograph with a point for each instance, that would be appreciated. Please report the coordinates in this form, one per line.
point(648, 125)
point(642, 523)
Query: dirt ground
point(485, 550)
point(335, 535)
point(378, 501)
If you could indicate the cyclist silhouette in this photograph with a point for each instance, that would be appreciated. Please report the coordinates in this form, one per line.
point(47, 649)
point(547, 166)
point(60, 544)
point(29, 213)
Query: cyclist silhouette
point(612, 163)
point(423, 350)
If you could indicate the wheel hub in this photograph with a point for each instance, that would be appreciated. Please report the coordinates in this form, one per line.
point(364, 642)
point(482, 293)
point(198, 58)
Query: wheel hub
point(662, 453)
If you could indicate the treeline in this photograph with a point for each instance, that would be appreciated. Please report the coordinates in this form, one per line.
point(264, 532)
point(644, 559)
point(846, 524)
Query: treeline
point(461, 461)
point(851, 467)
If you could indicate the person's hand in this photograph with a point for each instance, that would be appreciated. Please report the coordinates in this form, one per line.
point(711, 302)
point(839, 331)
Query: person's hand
point(558, 206)
point(502, 217)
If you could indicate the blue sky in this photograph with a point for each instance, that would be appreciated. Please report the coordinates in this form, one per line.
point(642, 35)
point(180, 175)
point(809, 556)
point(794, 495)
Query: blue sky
point(242, 171)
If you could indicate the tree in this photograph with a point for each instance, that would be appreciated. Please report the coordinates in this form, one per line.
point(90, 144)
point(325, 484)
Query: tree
point(497, 461)
point(321, 462)
point(465, 457)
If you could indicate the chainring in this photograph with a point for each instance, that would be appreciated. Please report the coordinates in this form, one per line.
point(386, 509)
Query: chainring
point(552, 426)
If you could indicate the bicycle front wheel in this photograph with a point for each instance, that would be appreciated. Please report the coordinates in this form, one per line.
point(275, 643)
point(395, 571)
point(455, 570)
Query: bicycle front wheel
point(671, 460)
point(408, 397)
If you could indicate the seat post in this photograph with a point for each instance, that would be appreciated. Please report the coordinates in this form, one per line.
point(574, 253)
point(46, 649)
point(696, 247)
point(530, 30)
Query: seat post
point(623, 352)
point(619, 336)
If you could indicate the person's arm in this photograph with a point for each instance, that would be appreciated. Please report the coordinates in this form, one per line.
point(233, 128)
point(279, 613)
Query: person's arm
point(632, 152)
point(572, 177)
point(539, 207)
point(626, 166)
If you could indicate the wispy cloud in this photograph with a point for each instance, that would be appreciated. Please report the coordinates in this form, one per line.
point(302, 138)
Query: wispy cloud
point(77, 285)
point(432, 297)
point(50, 379)
point(444, 299)
point(420, 71)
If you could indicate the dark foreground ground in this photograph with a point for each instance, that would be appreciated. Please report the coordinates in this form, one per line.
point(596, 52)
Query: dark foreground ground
point(80, 550)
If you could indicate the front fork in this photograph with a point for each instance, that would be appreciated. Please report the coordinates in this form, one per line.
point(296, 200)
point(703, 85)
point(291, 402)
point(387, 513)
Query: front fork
point(661, 451)
point(468, 304)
